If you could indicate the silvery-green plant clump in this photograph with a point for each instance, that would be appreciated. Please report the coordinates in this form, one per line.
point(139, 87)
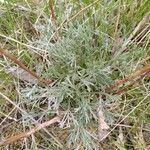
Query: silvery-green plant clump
point(84, 59)
point(82, 71)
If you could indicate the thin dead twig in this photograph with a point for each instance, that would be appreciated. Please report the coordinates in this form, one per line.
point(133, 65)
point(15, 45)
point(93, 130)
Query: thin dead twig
point(32, 131)
point(134, 76)
point(25, 113)
point(54, 19)
point(19, 63)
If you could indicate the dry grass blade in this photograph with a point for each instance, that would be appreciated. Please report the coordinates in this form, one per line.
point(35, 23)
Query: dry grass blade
point(25, 113)
point(120, 142)
point(19, 63)
point(74, 16)
point(35, 49)
point(117, 22)
point(79, 146)
point(82, 10)
point(11, 102)
point(144, 23)
point(32, 131)
point(7, 116)
point(126, 116)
